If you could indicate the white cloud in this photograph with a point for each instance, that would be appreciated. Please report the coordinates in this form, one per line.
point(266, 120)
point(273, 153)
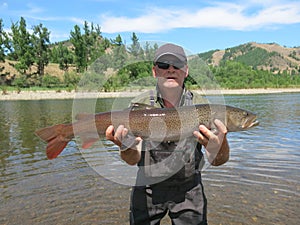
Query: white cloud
point(34, 9)
point(231, 16)
point(3, 5)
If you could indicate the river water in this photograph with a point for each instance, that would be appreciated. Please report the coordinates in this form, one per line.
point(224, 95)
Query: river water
point(260, 184)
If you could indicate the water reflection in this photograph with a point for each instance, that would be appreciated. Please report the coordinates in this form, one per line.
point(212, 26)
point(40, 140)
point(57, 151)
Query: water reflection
point(35, 190)
point(260, 184)
point(262, 175)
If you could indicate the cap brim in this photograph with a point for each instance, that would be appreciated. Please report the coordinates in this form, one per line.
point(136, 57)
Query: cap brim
point(180, 57)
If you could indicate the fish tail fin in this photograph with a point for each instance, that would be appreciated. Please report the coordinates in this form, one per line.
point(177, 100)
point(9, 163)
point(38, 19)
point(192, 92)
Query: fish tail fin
point(54, 137)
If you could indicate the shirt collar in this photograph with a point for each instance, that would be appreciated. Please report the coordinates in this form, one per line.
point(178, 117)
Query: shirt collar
point(159, 98)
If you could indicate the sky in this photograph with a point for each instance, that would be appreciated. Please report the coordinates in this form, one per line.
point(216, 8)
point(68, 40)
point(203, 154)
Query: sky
point(198, 26)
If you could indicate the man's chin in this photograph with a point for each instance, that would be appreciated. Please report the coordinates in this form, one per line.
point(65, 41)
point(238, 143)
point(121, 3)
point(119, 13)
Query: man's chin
point(171, 84)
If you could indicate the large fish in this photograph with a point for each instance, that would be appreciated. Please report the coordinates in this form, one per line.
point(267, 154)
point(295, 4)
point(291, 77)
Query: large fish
point(158, 124)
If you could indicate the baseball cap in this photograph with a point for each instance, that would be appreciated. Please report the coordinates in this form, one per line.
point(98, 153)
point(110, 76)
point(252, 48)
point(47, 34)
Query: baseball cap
point(170, 49)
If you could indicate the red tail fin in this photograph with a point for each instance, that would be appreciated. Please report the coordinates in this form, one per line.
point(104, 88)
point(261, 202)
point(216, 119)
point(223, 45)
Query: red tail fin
point(56, 139)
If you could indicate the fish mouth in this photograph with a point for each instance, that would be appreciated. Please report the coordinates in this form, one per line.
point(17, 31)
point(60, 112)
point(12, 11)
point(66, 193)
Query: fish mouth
point(254, 123)
point(250, 123)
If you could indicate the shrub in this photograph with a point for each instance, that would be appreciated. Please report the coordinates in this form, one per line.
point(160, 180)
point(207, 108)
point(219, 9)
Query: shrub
point(50, 81)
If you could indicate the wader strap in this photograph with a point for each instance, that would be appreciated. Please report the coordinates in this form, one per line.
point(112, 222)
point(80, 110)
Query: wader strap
point(188, 98)
point(152, 101)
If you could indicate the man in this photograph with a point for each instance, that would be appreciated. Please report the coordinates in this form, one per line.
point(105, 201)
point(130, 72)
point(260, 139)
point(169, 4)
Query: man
point(169, 178)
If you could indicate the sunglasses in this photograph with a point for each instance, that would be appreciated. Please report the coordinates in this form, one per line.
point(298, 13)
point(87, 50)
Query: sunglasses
point(166, 65)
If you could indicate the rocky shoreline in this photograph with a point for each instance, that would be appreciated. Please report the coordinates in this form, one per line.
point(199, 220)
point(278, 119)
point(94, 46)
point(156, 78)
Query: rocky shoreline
point(40, 95)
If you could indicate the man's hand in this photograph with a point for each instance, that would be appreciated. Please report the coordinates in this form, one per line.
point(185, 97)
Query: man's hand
point(215, 142)
point(127, 143)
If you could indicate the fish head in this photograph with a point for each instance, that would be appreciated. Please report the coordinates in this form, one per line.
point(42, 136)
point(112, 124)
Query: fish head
point(240, 119)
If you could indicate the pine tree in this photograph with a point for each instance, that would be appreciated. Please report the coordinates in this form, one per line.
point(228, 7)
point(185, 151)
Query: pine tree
point(135, 48)
point(119, 53)
point(21, 43)
point(80, 49)
point(65, 57)
point(2, 44)
point(117, 41)
point(41, 43)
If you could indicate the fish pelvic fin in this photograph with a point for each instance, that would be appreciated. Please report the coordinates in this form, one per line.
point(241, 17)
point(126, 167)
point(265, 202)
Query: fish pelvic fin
point(54, 137)
point(88, 142)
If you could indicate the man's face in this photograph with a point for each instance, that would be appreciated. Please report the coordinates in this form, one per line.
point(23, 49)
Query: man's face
point(170, 72)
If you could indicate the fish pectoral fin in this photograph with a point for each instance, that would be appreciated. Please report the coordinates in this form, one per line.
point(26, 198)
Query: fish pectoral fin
point(88, 141)
point(139, 106)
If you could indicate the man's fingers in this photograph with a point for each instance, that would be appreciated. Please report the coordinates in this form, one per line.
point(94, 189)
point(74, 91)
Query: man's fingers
point(109, 133)
point(206, 133)
point(203, 140)
point(115, 136)
point(118, 135)
point(121, 138)
point(220, 126)
point(124, 132)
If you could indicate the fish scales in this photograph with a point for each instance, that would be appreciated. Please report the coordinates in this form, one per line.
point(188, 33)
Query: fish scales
point(160, 124)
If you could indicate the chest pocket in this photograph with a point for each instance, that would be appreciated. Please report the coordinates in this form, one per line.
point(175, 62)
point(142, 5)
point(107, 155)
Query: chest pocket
point(177, 159)
point(180, 159)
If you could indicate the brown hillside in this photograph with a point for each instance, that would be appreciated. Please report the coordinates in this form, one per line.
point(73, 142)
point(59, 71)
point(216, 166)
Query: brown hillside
point(285, 52)
point(217, 57)
point(285, 59)
point(52, 69)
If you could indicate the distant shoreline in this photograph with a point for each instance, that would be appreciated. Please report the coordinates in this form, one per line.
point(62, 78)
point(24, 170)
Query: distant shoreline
point(41, 95)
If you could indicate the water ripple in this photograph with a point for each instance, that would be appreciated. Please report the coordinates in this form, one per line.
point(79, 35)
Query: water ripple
point(259, 185)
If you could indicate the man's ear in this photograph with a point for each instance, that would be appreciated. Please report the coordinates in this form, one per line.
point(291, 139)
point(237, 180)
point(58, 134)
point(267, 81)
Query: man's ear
point(154, 72)
point(187, 71)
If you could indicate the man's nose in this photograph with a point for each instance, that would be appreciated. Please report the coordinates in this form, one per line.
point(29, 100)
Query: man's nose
point(171, 68)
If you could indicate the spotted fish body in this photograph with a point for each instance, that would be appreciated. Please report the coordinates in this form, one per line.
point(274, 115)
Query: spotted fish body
point(158, 124)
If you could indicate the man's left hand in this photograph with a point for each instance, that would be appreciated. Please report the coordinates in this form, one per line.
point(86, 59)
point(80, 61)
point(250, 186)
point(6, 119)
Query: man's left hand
point(212, 140)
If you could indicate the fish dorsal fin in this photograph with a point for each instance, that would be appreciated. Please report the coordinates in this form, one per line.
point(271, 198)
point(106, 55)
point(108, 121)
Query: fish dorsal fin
point(139, 106)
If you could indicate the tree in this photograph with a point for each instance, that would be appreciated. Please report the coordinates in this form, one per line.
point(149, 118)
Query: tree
point(88, 46)
point(96, 45)
point(41, 43)
point(119, 53)
point(3, 44)
point(135, 48)
point(117, 41)
point(88, 40)
point(3, 41)
point(21, 47)
point(80, 49)
point(65, 57)
point(150, 51)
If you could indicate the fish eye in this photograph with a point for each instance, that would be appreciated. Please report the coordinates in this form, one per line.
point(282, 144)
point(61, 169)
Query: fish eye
point(245, 113)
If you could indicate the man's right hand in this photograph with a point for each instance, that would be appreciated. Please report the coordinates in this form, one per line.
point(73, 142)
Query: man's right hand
point(128, 144)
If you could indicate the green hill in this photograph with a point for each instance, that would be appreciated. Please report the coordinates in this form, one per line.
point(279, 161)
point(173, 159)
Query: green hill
point(250, 65)
point(271, 57)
